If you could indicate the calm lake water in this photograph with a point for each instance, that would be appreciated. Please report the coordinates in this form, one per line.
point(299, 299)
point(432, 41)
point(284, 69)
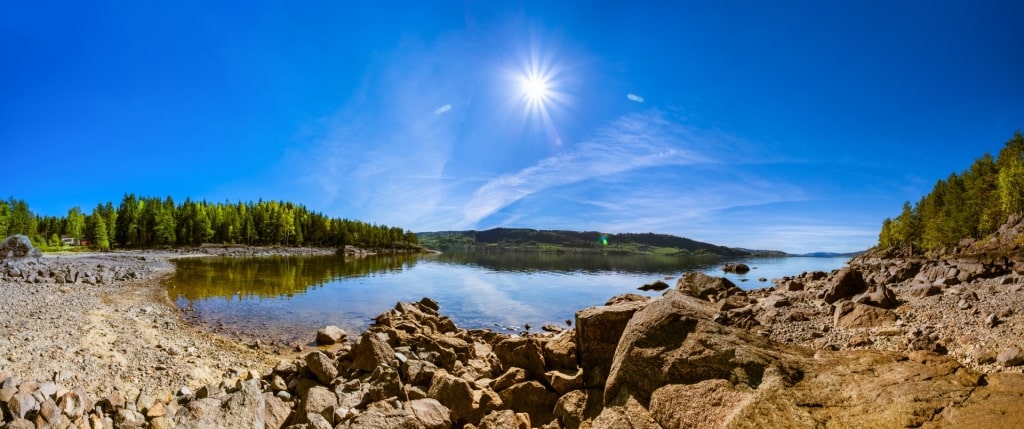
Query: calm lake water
point(288, 298)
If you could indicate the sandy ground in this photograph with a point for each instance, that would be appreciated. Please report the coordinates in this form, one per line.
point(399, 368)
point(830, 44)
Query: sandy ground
point(117, 334)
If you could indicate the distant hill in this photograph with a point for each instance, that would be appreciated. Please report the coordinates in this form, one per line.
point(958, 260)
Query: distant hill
point(831, 254)
point(522, 239)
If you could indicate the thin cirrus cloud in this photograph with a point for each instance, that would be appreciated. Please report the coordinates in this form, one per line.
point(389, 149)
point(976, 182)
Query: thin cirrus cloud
point(629, 143)
point(443, 109)
point(635, 98)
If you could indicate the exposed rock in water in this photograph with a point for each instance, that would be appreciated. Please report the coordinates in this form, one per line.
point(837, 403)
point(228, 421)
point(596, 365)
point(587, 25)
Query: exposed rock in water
point(657, 285)
point(736, 268)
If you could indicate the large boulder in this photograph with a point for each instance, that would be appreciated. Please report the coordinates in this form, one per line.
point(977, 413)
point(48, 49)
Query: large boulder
point(846, 284)
point(245, 408)
point(597, 335)
point(854, 315)
point(673, 341)
point(18, 246)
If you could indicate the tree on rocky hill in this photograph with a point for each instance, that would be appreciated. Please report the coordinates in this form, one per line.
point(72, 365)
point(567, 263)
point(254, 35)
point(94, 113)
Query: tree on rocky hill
point(971, 204)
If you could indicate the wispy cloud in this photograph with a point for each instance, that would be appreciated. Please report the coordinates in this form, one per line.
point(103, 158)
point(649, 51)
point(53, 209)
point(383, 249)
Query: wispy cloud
point(635, 98)
point(443, 109)
point(632, 142)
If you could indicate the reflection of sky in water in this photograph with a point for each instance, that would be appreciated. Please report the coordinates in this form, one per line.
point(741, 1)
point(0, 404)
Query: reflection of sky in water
point(473, 296)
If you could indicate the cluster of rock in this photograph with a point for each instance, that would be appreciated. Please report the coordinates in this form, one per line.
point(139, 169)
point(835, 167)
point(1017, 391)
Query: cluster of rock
point(66, 271)
point(239, 250)
point(738, 268)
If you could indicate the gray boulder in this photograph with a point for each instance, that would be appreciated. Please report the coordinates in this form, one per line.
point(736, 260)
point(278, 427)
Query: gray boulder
point(18, 246)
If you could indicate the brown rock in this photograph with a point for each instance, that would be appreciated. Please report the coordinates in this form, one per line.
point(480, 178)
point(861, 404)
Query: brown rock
point(418, 372)
point(705, 287)
point(577, 406)
point(156, 410)
point(994, 405)
point(243, 409)
point(625, 413)
point(318, 400)
point(923, 290)
point(847, 283)
point(430, 412)
point(163, 423)
point(322, 367)
point(597, 334)
point(565, 382)
point(330, 335)
point(673, 341)
point(532, 398)
point(878, 296)
point(276, 411)
point(504, 419)
point(852, 315)
point(511, 377)
point(455, 393)
point(525, 353)
point(560, 352)
point(370, 352)
point(1011, 356)
point(708, 403)
point(317, 421)
point(627, 297)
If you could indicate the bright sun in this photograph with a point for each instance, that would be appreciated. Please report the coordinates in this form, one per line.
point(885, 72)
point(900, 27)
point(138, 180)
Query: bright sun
point(535, 89)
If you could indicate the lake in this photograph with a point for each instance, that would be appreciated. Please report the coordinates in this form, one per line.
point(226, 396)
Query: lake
point(288, 298)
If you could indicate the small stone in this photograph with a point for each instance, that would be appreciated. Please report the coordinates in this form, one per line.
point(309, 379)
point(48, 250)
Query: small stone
point(991, 321)
point(1010, 357)
point(156, 410)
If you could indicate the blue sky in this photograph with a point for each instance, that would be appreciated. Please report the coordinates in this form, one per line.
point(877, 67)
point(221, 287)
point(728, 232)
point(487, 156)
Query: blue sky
point(796, 126)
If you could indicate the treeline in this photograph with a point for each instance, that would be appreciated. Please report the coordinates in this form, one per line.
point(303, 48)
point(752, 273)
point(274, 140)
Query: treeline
point(142, 222)
point(971, 204)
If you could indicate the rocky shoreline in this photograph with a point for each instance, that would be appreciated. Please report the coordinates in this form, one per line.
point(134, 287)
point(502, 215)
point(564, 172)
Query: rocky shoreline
point(90, 341)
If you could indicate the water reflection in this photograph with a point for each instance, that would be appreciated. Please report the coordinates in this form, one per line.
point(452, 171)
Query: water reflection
point(274, 276)
point(287, 298)
point(577, 262)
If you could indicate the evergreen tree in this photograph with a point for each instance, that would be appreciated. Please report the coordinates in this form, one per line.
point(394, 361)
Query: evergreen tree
point(102, 237)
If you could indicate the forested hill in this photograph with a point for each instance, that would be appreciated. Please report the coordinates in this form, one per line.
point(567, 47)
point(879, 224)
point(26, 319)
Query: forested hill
point(141, 222)
point(555, 241)
point(971, 204)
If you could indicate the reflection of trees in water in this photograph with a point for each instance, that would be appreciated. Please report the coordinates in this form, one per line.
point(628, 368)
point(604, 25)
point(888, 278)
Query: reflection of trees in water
point(572, 262)
point(274, 276)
